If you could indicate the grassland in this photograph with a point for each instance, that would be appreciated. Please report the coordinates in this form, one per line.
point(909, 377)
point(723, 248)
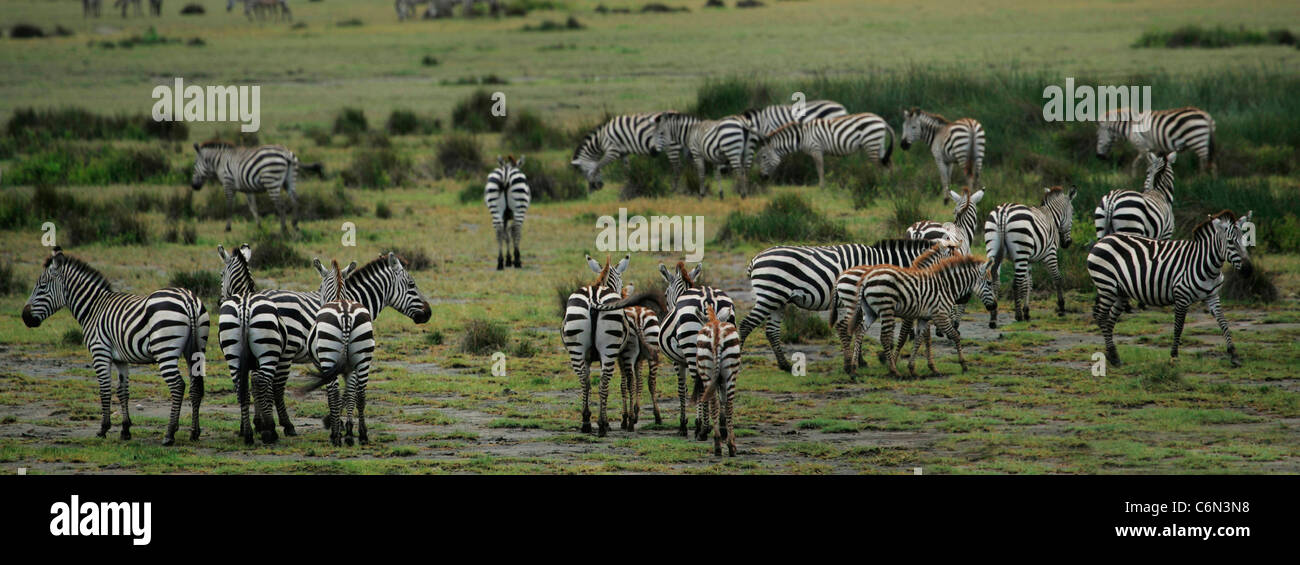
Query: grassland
point(1029, 405)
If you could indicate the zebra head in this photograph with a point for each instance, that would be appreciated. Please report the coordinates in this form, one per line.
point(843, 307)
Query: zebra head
point(48, 296)
point(784, 140)
point(1108, 130)
point(1228, 239)
point(205, 162)
point(679, 281)
point(1060, 205)
point(586, 158)
point(611, 278)
point(984, 286)
point(236, 277)
point(333, 282)
point(386, 282)
point(911, 127)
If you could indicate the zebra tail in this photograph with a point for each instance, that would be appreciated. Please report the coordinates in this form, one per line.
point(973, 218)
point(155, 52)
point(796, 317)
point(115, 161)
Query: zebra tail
point(194, 317)
point(652, 299)
point(322, 378)
point(999, 242)
point(316, 168)
point(888, 150)
point(970, 158)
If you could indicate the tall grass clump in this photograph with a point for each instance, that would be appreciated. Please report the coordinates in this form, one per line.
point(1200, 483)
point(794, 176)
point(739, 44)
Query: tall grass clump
point(9, 283)
point(406, 122)
point(380, 167)
point(206, 284)
point(78, 164)
point(551, 184)
point(274, 252)
point(459, 154)
point(350, 122)
point(77, 221)
point(526, 131)
point(1259, 286)
point(1215, 37)
point(724, 97)
point(78, 123)
point(803, 326)
point(905, 209)
point(787, 218)
point(644, 178)
point(484, 336)
point(474, 114)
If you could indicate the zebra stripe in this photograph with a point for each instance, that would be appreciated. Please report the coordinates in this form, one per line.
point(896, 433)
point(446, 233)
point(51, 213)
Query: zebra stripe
point(728, 143)
point(965, 215)
point(641, 344)
point(1026, 236)
point(957, 142)
point(769, 119)
point(260, 8)
point(1162, 273)
point(1160, 132)
point(250, 334)
point(717, 369)
point(616, 139)
point(1149, 213)
point(806, 277)
point(919, 295)
point(671, 132)
point(836, 136)
point(592, 335)
point(507, 197)
point(122, 329)
point(269, 169)
point(342, 344)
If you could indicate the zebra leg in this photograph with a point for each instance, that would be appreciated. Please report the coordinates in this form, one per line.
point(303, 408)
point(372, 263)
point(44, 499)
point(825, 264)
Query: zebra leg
point(103, 367)
point(265, 403)
point(171, 375)
point(1054, 267)
point(1180, 316)
point(124, 397)
point(652, 368)
point(731, 414)
point(716, 410)
point(584, 380)
point(626, 379)
point(945, 326)
point(501, 245)
point(1022, 287)
point(887, 342)
point(945, 176)
point(516, 230)
point(242, 392)
point(773, 332)
point(606, 374)
point(636, 393)
point(1112, 313)
point(929, 355)
point(252, 208)
point(1212, 304)
point(916, 344)
point(230, 204)
point(821, 168)
point(196, 399)
point(905, 330)
point(279, 209)
point(349, 405)
point(333, 422)
point(681, 398)
point(700, 174)
point(281, 409)
point(363, 431)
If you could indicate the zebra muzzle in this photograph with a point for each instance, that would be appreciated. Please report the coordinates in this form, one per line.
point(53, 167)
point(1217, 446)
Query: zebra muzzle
point(28, 319)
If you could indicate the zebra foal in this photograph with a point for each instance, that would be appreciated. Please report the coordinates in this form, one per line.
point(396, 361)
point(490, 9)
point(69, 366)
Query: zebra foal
point(717, 366)
point(959, 142)
point(342, 345)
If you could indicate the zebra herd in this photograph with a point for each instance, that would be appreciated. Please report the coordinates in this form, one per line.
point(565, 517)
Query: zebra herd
point(262, 334)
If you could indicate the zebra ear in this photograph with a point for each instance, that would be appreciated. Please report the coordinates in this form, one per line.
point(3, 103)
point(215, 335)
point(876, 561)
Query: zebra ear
point(246, 251)
point(1074, 191)
point(315, 262)
point(351, 267)
point(221, 252)
point(975, 198)
point(196, 148)
point(664, 271)
point(1173, 156)
point(695, 273)
point(955, 197)
point(520, 162)
point(394, 261)
point(622, 265)
point(501, 162)
point(594, 264)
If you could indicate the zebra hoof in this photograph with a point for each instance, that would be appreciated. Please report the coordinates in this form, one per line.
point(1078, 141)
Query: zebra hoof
point(194, 435)
point(336, 441)
point(602, 430)
point(290, 431)
point(348, 440)
point(681, 430)
point(717, 450)
point(126, 433)
point(784, 365)
point(1236, 361)
point(993, 324)
point(270, 437)
point(168, 441)
point(248, 438)
point(731, 451)
point(586, 427)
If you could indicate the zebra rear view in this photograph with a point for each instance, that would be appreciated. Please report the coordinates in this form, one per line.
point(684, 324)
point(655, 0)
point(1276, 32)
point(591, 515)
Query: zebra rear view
point(252, 339)
point(122, 329)
point(592, 335)
point(507, 197)
point(717, 354)
point(1026, 235)
point(342, 344)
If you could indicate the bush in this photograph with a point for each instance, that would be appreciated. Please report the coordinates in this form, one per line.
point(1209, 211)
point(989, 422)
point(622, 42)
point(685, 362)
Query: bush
point(275, 252)
point(206, 284)
point(429, 61)
point(319, 136)
point(474, 114)
point(415, 258)
point(176, 233)
point(377, 168)
point(644, 178)
point(459, 154)
point(749, 4)
point(9, 283)
point(25, 31)
point(406, 122)
point(318, 206)
point(351, 22)
point(569, 286)
point(73, 337)
point(787, 219)
point(571, 23)
point(551, 185)
point(803, 326)
point(905, 210)
point(484, 336)
point(720, 98)
point(1259, 286)
point(382, 211)
point(526, 131)
point(67, 164)
point(34, 125)
point(1217, 37)
point(351, 122)
point(193, 10)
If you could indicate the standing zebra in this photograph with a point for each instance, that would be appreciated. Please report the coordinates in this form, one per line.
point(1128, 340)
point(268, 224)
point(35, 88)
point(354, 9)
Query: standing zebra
point(260, 8)
point(1026, 235)
point(91, 8)
point(1162, 273)
point(835, 136)
point(671, 132)
point(768, 120)
point(1149, 213)
point(641, 344)
point(383, 282)
point(805, 277)
point(717, 353)
point(965, 216)
point(957, 142)
point(507, 197)
point(121, 329)
point(251, 336)
point(921, 295)
point(250, 170)
point(616, 139)
point(686, 304)
point(728, 143)
point(341, 344)
point(124, 4)
point(592, 335)
point(1161, 132)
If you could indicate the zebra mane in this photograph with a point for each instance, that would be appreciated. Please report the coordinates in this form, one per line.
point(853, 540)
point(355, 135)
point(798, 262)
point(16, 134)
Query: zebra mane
point(216, 144)
point(909, 244)
point(965, 191)
point(587, 140)
point(603, 276)
point(377, 264)
point(787, 125)
point(77, 265)
point(338, 282)
point(922, 258)
point(1229, 214)
point(954, 262)
point(681, 268)
point(931, 115)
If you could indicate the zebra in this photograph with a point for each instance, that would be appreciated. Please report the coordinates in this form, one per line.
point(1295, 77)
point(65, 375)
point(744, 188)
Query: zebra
point(381, 282)
point(507, 197)
point(260, 8)
point(592, 335)
point(717, 353)
point(684, 314)
point(1162, 131)
point(1162, 273)
point(1149, 213)
point(917, 294)
point(615, 139)
point(1027, 235)
point(641, 344)
point(155, 8)
point(768, 120)
point(835, 136)
point(251, 336)
point(122, 329)
point(342, 344)
point(124, 4)
point(670, 136)
point(957, 142)
point(91, 8)
point(965, 216)
point(805, 277)
point(727, 143)
point(269, 169)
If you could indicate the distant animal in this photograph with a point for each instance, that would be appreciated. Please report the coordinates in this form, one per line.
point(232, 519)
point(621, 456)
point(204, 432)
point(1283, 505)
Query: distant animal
point(771, 118)
point(1149, 213)
point(621, 136)
point(125, 3)
point(728, 144)
point(1160, 132)
point(833, 136)
point(1026, 235)
point(959, 142)
point(507, 197)
point(250, 170)
point(91, 8)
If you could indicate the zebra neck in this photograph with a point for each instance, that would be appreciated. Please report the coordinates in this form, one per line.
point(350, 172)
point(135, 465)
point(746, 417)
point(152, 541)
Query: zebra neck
point(929, 129)
point(966, 222)
point(372, 298)
point(82, 305)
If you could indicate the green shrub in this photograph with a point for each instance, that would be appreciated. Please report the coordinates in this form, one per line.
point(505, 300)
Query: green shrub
point(377, 168)
point(186, 234)
point(472, 192)
point(350, 121)
point(459, 154)
point(788, 218)
point(644, 178)
point(70, 164)
point(569, 24)
point(415, 258)
point(803, 326)
point(474, 114)
point(1258, 286)
point(325, 204)
point(382, 211)
point(275, 252)
point(73, 337)
point(904, 210)
point(206, 284)
point(78, 123)
point(525, 131)
point(406, 122)
point(1216, 37)
point(484, 336)
point(9, 283)
point(720, 98)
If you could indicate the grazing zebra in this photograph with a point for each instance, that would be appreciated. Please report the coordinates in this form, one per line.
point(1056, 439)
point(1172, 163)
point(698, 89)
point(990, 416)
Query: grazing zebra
point(685, 305)
point(124, 4)
point(1026, 235)
point(965, 216)
point(91, 8)
point(1149, 213)
point(260, 8)
point(250, 170)
point(593, 335)
point(671, 132)
point(846, 294)
point(768, 120)
point(1163, 131)
point(1162, 273)
point(341, 344)
point(921, 295)
point(805, 277)
point(383, 282)
point(717, 353)
point(251, 336)
point(507, 197)
point(835, 136)
point(641, 344)
point(616, 139)
point(122, 329)
point(727, 143)
point(956, 142)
